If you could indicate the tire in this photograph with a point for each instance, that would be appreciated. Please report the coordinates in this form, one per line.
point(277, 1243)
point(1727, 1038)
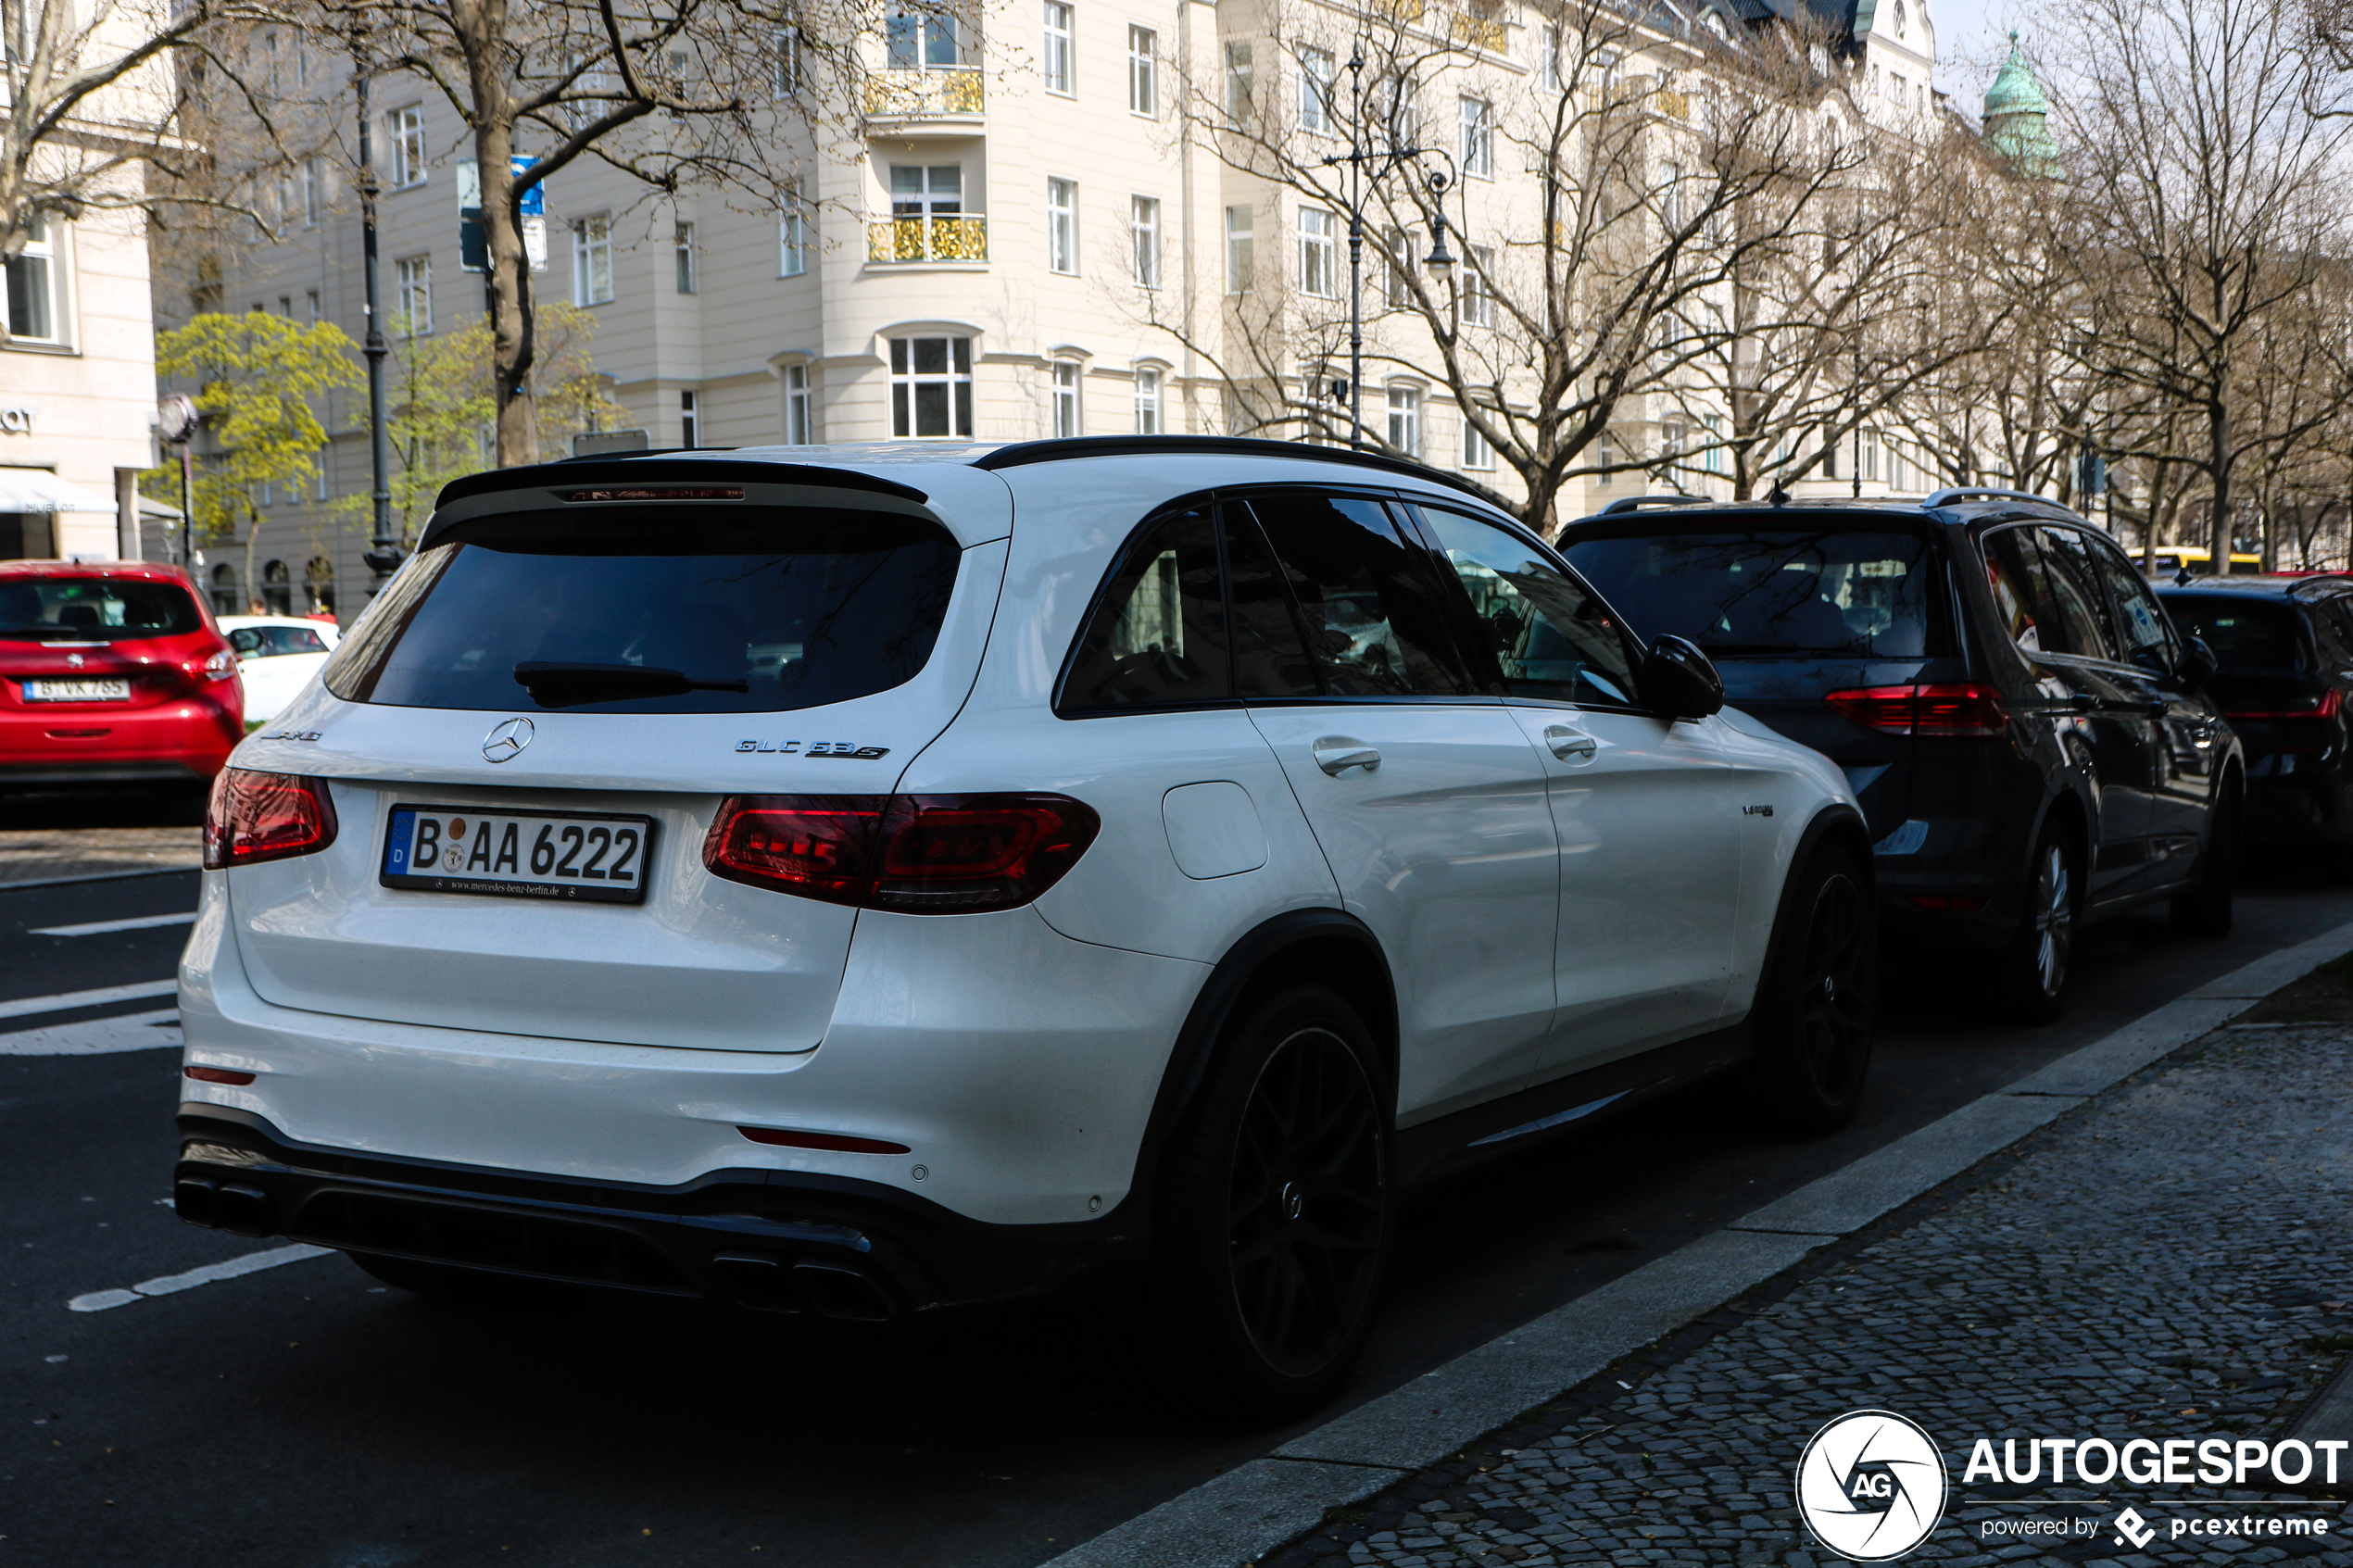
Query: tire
point(1275, 1211)
point(1817, 1004)
point(441, 1282)
point(2204, 908)
point(2034, 966)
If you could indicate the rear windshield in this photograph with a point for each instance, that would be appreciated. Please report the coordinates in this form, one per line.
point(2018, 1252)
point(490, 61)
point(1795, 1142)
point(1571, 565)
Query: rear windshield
point(800, 606)
point(1780, 593)
point(2247, 638)
point(94, 610)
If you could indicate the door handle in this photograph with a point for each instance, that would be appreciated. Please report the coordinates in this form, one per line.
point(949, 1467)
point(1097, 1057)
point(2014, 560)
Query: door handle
point(1337, 754)
point(1566, 743)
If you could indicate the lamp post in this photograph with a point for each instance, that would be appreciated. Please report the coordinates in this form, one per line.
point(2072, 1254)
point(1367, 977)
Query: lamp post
point(1366, 167)
point(384, 554)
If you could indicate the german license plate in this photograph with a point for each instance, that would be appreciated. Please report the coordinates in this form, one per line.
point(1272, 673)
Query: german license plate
point(77, 691)
point(574, 856)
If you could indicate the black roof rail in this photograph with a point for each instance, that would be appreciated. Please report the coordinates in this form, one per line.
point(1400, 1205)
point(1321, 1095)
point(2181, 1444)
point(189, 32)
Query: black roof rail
point(666, 468)
point(1991, 492)
point(1022, 453)
point(1635, 503)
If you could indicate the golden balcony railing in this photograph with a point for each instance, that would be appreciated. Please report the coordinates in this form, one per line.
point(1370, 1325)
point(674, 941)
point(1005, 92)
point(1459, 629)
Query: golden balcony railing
point(1480, 32)
point(952, 237)
point(925, 95)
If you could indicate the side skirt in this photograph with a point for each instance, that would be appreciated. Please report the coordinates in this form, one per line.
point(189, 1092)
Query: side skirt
point(1436, 1150)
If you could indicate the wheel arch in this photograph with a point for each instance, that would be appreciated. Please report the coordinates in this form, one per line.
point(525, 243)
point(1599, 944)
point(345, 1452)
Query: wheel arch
point(1836, 824)
point(1331, 947)
point(2067, 811)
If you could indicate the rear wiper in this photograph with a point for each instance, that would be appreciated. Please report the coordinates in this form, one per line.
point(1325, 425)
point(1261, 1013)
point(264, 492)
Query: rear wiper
point(568, 685)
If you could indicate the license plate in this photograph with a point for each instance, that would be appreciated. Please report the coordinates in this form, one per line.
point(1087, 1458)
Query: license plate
point(77, 691)
point(575, 856)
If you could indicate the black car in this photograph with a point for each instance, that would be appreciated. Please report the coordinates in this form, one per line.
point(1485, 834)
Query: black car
point(2286, 681)
point(2023, 725)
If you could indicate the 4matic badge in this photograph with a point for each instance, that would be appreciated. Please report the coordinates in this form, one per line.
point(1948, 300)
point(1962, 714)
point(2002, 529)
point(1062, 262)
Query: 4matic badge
point(816, 748)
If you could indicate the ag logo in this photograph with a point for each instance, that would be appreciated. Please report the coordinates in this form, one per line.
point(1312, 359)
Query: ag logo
point(1872, 1485)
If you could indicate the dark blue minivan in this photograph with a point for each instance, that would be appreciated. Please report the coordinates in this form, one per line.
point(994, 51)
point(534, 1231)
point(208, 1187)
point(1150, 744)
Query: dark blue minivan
point(2024, 725)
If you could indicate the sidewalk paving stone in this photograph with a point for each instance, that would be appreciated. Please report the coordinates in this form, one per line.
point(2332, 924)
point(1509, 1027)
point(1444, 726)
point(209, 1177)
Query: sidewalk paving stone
point(2172, 1259)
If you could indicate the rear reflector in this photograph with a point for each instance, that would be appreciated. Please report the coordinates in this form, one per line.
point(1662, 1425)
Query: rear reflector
point(1939, 902)
point(254, 817)
point(218, 1075)
point(920, 854)
point(1945, 707)
point(2324, 707)
point(835, 1141)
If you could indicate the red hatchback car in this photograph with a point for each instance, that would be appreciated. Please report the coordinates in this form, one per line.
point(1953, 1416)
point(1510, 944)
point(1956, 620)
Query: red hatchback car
point(112, 672)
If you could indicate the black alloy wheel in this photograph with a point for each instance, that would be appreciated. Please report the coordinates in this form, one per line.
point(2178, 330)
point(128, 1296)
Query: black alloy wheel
point(1309, 1203)
point(2204, 908)
point(1819, 1001)
point(2035, 962)
point(1273, 1218)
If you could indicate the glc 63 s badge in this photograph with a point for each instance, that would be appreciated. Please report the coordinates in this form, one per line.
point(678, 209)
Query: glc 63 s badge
point(850, 749)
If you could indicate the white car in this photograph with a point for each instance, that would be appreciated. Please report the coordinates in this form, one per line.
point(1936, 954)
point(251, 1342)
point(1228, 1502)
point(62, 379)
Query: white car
point(862, 882)
point(276, 657)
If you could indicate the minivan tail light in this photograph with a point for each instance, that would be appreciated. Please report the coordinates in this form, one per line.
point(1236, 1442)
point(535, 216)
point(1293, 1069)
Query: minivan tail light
point(1943, 708)
point(2325, 707)
point(917, 853)
point(254, 817)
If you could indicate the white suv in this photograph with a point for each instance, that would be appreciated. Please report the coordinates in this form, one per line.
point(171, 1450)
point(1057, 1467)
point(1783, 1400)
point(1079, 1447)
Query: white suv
point(863, 880)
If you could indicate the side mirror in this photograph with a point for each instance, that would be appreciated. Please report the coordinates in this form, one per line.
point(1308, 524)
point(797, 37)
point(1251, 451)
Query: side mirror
point(1679, 682)
point(2197, 665)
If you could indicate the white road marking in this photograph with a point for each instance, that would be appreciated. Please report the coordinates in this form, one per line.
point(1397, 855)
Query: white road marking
point(23, 1006)
point(98, 1037)
point(100, 927)
point(211, 1273)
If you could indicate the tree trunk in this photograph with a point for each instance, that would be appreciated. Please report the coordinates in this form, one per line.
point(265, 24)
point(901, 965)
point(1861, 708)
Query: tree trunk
point(2218, 431)
point(482, 25)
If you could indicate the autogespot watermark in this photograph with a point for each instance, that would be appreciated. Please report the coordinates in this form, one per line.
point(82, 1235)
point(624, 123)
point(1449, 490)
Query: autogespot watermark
point(1872, 1486)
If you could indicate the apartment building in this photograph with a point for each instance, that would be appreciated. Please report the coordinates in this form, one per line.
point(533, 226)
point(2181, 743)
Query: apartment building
point(1035, 230)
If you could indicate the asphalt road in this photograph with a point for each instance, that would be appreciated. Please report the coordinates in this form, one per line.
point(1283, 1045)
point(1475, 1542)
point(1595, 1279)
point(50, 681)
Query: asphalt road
point(304, 1417)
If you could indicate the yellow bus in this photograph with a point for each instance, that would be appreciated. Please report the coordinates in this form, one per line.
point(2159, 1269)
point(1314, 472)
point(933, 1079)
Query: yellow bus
point(2171, 559)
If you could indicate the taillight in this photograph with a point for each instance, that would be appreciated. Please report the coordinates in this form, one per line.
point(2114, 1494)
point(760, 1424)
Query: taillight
point(2325, 707)
point(220, 666)
point(1946, 708)
point(255, 816)
point(919, 854)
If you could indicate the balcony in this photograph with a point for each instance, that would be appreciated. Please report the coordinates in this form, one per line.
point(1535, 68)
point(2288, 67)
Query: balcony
point(940, 237)
point(952, 98)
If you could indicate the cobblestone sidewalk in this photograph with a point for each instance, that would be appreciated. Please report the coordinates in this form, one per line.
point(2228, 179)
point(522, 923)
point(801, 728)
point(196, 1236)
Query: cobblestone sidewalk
point(2175, 1261)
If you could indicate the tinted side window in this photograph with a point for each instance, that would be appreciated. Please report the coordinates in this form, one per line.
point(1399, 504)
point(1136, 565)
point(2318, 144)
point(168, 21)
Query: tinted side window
point(2143, 631)
point(2042, 611)
point(1270, 656)
point(1552, 638)
point(2075, 585)
point(2333, 617)
point(1158, 636)
point(1374, 620)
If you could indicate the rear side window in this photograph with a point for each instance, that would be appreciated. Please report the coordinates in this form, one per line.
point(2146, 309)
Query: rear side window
point(2043, 603)
point(94, 610)
point(2249, 637)
point(1767, 593)
point(1158, 636)
point(791, 608)
point(1375, 624)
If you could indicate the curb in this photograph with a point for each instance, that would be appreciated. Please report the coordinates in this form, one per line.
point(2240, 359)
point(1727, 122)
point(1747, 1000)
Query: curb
point(1257, 1506)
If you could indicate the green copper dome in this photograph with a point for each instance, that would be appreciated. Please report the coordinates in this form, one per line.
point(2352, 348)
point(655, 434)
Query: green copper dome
point(2014, 91)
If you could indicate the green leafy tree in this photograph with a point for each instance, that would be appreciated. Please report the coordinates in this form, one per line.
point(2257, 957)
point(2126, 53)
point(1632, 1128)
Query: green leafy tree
point(259, 379)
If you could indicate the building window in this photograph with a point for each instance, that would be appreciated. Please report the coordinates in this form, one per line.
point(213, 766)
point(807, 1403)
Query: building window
point(1055, 60)
point(1240, 246)
point(1478, 456)
point(310, 302)
point(1066, 419)
point(1317, 269)
point(1062, 226)
point(1478, 292)
point(801, 428)
point(1143, 71)
point(314, 191)
point(792, 233)
point(1406, 419)
point(931, 386)
point(788, 69)
point(916, 39)
point(1239, 92)
point(1713, 459)
point(285, 307)
point(412, 296)
point(277, 589)
point(1547, 63)
point(226, 600)
point(1143, 226)
point(1866, 456)
point(1478, 137)
point(1316, 91)
point(1146, 400)
point(1829, 459)
point(689, 420)
point(592, 260)
point(1670, 196)
point(1397, 267)
point(682, 245)
point(407, 141)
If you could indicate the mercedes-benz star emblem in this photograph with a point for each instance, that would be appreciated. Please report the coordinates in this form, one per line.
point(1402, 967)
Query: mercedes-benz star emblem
point(503, 743)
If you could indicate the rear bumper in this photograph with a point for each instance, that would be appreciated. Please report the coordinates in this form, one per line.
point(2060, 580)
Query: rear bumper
point(766, 1240)
point(180, 741)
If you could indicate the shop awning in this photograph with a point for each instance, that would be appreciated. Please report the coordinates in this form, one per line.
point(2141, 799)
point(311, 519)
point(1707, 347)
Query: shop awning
point(38, 490)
